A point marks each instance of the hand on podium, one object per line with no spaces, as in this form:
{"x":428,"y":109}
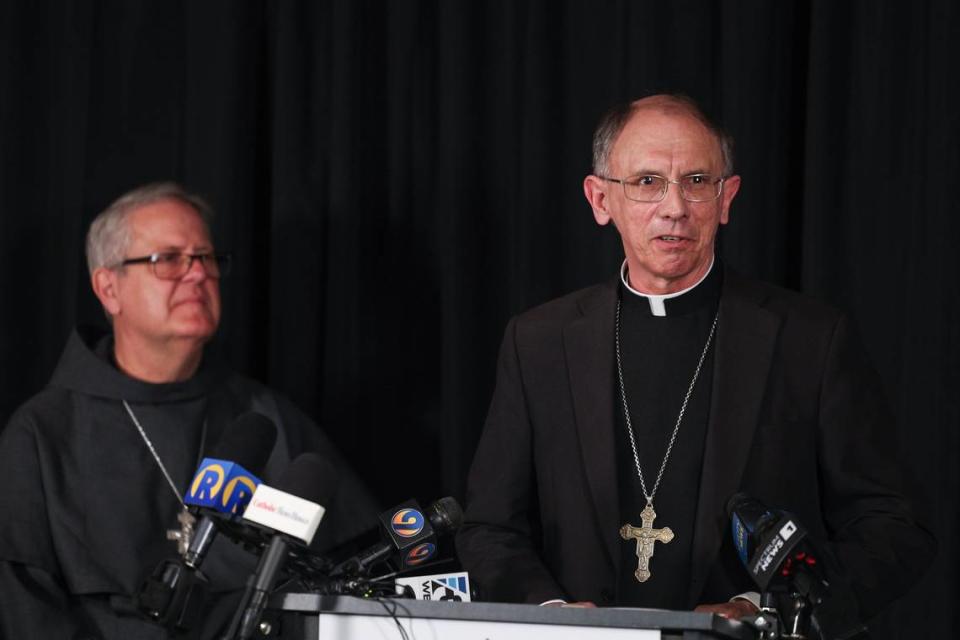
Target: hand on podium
{"x":734,"y":610}
{"x":561,"y":603}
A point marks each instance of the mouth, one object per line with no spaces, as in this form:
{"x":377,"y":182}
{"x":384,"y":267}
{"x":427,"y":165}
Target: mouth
{"x":671,"y":240}
{"x":190,"y":301}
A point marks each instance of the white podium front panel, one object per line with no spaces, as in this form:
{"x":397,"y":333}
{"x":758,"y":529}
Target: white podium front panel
{"x":333,"y":626}
{"x":349,"y":618}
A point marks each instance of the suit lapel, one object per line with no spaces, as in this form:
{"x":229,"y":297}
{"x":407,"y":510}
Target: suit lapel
{"x":588,"y":345}
{"x":746,"y":338}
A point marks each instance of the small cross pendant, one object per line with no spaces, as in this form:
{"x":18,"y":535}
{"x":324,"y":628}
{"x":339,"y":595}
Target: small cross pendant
{"x":184,"y":534}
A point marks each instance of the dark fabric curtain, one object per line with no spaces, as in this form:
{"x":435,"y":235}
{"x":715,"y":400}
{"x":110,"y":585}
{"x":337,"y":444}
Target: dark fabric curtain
{"x":398,"y":178}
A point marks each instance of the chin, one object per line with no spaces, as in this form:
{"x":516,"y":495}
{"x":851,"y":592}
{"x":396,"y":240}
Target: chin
{"x":676,"y":270}
{"x":202,"y":331}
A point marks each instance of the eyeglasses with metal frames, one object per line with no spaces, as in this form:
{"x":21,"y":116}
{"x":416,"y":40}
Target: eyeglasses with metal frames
{"x":697,"y":187}
{"x":173,"y":265}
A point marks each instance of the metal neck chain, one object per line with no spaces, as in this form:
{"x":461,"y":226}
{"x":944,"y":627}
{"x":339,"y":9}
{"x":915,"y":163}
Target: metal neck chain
{"x":683,"y":407}
{"x":156,"y":456}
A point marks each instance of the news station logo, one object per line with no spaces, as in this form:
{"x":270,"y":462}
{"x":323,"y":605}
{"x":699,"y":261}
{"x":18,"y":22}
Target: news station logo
{"x":788,"y":530}
{"x":740,"y":539}
{"x":452,"y":587}
{"x":279,"y":510}
{"x":285,"y":513}
{"x":419,"y":554}
{"x":222,"y":485}
{"x":407,"y":523}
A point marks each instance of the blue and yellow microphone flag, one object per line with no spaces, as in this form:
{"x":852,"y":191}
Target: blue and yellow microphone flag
{"x":221,"y":485}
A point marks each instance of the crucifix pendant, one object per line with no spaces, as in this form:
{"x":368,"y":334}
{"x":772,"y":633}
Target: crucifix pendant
{"x":184,"y":534}
{"x":646,"y":536}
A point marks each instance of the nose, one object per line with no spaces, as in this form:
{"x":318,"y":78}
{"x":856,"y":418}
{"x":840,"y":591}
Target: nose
{"x":196,"y":271}
{"x":673,"y":205}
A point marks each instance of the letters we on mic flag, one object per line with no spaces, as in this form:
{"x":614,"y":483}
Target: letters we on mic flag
{"x":454,"y":587}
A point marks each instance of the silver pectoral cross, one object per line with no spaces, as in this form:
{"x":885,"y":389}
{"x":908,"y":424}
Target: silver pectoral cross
{"x":184,"y":534}
{"x":645,"y":536}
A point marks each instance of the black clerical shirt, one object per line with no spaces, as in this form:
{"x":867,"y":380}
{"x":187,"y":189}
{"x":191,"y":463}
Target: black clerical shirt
{"x":659,"y":356}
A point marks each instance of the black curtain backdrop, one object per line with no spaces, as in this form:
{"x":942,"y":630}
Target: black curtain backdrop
{"x":399,"y":178}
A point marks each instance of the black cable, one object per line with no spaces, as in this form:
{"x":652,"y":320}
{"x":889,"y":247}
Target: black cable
{"x":391,"y":606}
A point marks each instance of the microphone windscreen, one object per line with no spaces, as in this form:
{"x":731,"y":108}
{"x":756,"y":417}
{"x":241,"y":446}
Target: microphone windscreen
{"x":311,"y":477}
{"x":445,"y":515}
{"x":736,"y":502}
{"x":247,"y":441}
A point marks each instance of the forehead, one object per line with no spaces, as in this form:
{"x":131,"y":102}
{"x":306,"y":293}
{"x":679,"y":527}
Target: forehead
{"x":167,"y":224}
{"x":665,"y":141}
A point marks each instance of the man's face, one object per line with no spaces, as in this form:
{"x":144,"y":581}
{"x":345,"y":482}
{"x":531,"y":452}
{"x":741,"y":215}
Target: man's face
{"x":668,"y":244}
{"x":147,"y":308}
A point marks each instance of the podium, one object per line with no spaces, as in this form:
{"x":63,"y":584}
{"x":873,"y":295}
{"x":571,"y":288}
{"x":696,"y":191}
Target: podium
{"x":303,"y":616}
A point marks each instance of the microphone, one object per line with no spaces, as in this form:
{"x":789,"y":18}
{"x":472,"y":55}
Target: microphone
{"x":174,"y":592}
{"x":292,"y":520}
{"x":763,"y":538}
{"x":409,"y":532}
{"x":223,"y":486}
{"x":781,"y":558}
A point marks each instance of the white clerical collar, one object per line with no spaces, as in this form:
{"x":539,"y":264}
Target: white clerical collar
{"x":657,"y":306}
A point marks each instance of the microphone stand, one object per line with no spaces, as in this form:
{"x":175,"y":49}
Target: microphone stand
{"x":259,"y":587}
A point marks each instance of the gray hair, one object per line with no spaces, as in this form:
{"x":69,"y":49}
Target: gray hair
{"x":109,"y":234}
{"x":613,"y":122}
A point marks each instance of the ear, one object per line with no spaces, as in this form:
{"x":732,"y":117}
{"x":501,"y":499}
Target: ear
{"x":594,"y":189}
{"x":730,"y":188}
{"x":104,"y":282}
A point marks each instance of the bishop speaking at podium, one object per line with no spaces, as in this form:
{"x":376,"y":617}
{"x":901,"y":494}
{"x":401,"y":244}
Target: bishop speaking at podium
{"x":625,"y":415}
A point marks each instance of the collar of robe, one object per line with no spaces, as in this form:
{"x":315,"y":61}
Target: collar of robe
{"x":703,"y":292}
{"x":86,"y":366}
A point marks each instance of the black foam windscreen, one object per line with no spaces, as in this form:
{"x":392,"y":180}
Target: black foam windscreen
{"x":311,"y":477}
{"x":445,"y":515}
{"x":248,"y":441}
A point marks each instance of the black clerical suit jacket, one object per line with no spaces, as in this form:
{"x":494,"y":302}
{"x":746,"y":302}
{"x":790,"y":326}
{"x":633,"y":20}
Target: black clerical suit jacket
{"x":796,"y":420}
